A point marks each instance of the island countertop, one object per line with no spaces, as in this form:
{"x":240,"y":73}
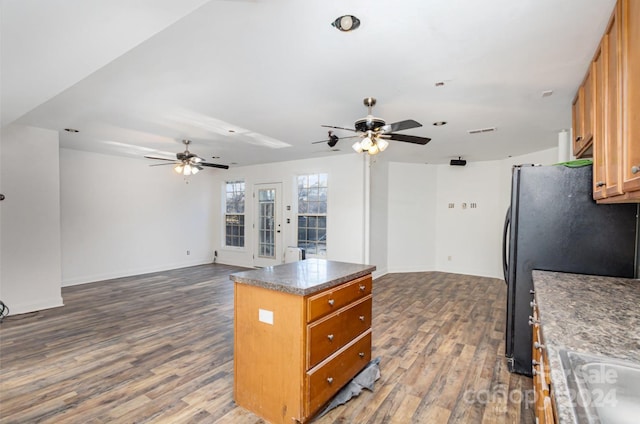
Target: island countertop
{"x":304,"y":277}
{"x":587,"y":314}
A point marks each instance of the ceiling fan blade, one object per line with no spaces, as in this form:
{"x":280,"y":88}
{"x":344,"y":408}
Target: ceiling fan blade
{"x":400,"y":125}
{"x":157,"y":158}
{"x":213,"y":165}
{"x":338,"y":128}
{"x":408,"y":138}
{"x":161,"y":164}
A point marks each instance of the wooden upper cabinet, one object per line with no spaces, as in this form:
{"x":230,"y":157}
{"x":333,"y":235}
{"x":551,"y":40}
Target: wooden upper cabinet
{"x":583,"y":117}
{"x":599,"y":156}
{"x":612,"y":131}
{"x":577,"y":111}
{"x":614,"y":102}
{"x":630,"y":47}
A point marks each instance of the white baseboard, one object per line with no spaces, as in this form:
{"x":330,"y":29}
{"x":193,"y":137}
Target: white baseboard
{"x":23,"y":308}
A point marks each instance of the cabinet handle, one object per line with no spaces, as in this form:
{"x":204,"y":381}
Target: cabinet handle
{"x":331,"y":302}
{"x":601,"y":184}
{"x":635,"y":169}
{"x":330,"y":380}
{"x":539,"y":346}
{"x":362,"y":287}
{"x":330,"y":337}
{"x":578,"y":139}
{"x":532,"y":291}
{"x":361,"y":318}
{"x":535,"y":363}
{"x":533,"y":321}
{"x":533,"y":371}
{"x":361,"y":354}
{"x":532,"y":303}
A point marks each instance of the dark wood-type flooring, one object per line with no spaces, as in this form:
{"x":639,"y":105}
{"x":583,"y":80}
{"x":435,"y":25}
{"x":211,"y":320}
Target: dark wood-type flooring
{"x":158,"y":348}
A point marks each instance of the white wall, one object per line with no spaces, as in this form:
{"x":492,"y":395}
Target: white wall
{"x":379,"y":205}
{"x":469,"y":238}
{"x":345,"y":197}
{"x":122,"y":217}
{"x":424,"y":232}
{"x":412,"y":240}
{"x":30,"y":219}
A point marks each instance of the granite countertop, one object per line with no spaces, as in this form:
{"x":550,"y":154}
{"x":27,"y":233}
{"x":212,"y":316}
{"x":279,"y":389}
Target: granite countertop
{"x":304,"y":277}
{"x":587,"y":314}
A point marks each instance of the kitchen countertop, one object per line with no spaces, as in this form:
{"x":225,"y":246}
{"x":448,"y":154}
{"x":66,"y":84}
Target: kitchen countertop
{"x":586,"y":314}
{"x":303,"y":277}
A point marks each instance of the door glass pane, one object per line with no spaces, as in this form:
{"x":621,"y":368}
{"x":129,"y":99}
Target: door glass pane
{"x":266,"y":220}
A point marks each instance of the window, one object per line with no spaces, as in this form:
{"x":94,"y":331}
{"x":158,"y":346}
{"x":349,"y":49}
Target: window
{"x":234,"y":214}
{"x":312,"y":213}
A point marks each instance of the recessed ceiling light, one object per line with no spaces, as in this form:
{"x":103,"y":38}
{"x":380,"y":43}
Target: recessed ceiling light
{"x":440,"y":123}
{"x":71,"y":130}
{"x":346,"y":23}
{"x":439,"y":84}
{"x":232,"y":131}
{"x":547,"y":93}
{"x":215,"y":157}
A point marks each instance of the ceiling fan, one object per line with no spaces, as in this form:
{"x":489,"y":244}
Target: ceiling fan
{"x":187,"y":163}
{"x":374,"y":132}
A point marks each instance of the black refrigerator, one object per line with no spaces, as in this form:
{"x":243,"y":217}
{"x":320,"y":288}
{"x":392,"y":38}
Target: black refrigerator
{"x":553,"y":224}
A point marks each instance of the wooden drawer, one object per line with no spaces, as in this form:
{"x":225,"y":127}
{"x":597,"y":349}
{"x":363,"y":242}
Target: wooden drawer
{"x":331,"y":375}
{"x":331,"y":300}
{"x":332,"y":332}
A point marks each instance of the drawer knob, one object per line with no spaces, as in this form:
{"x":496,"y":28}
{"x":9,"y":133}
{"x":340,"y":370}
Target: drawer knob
{"x":539,"y":346}
{"x":361,"y":354}
{"x":362,"y":287}
{"x":534,"y":371}
{"x":534,"y":362}
{"x":331,"y":302}
{"x":578,"y":139}
{"x":330,"y":380}
{"x":361,"y":318}
{"x":635,"y":169}
{"x":330,"y":337}
{"x":533,"y":321}
{"x":600,"y":184}
{"x":532,"y":303}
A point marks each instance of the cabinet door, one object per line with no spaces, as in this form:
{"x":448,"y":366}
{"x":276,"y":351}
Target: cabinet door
{"x":612,"y":132}
{"x":599,"y":153}
{"x":588,"y":112}
{"x":577,"y":111}
{"x":630,"y":46}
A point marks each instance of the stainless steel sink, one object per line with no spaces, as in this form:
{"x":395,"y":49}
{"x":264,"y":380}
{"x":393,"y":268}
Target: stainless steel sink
{"x":603,"y":390}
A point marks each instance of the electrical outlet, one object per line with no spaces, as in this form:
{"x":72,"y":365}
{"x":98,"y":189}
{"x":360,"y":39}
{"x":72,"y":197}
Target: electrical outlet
{"x":188,"y":252}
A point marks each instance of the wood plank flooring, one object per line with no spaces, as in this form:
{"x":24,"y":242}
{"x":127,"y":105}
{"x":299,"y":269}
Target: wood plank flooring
{"x":158,"y":348}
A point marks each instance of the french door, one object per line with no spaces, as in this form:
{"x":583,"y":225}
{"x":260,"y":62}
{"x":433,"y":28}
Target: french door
{"x":267,"y":228}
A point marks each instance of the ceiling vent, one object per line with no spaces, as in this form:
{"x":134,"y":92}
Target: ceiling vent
{"x":482,"y":130}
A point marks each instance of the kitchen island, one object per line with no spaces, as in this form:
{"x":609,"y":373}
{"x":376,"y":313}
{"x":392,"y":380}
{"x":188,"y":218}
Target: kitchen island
{"x":301,"y":331}
{"x":589,"y":327}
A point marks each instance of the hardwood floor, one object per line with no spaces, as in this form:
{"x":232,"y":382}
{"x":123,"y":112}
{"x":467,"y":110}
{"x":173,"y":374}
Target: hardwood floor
{"x":158,"y":348}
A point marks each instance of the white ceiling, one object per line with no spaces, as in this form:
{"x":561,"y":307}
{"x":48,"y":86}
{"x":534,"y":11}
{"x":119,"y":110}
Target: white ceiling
{"x":137,"y":76}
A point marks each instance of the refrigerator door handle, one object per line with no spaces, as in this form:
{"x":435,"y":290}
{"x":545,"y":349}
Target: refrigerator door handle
{"x":505,"y":253}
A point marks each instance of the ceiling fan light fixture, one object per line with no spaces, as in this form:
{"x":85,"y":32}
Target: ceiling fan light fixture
{"x":382,"y":144}
{"x":357,"y":146}
{"x":367,"y":143}
{"x":178,"y":168}
{"x":346,"y":23}
{"x":373,"y":150}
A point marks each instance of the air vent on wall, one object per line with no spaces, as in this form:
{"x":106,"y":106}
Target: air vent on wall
{"x":482,"y":130}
